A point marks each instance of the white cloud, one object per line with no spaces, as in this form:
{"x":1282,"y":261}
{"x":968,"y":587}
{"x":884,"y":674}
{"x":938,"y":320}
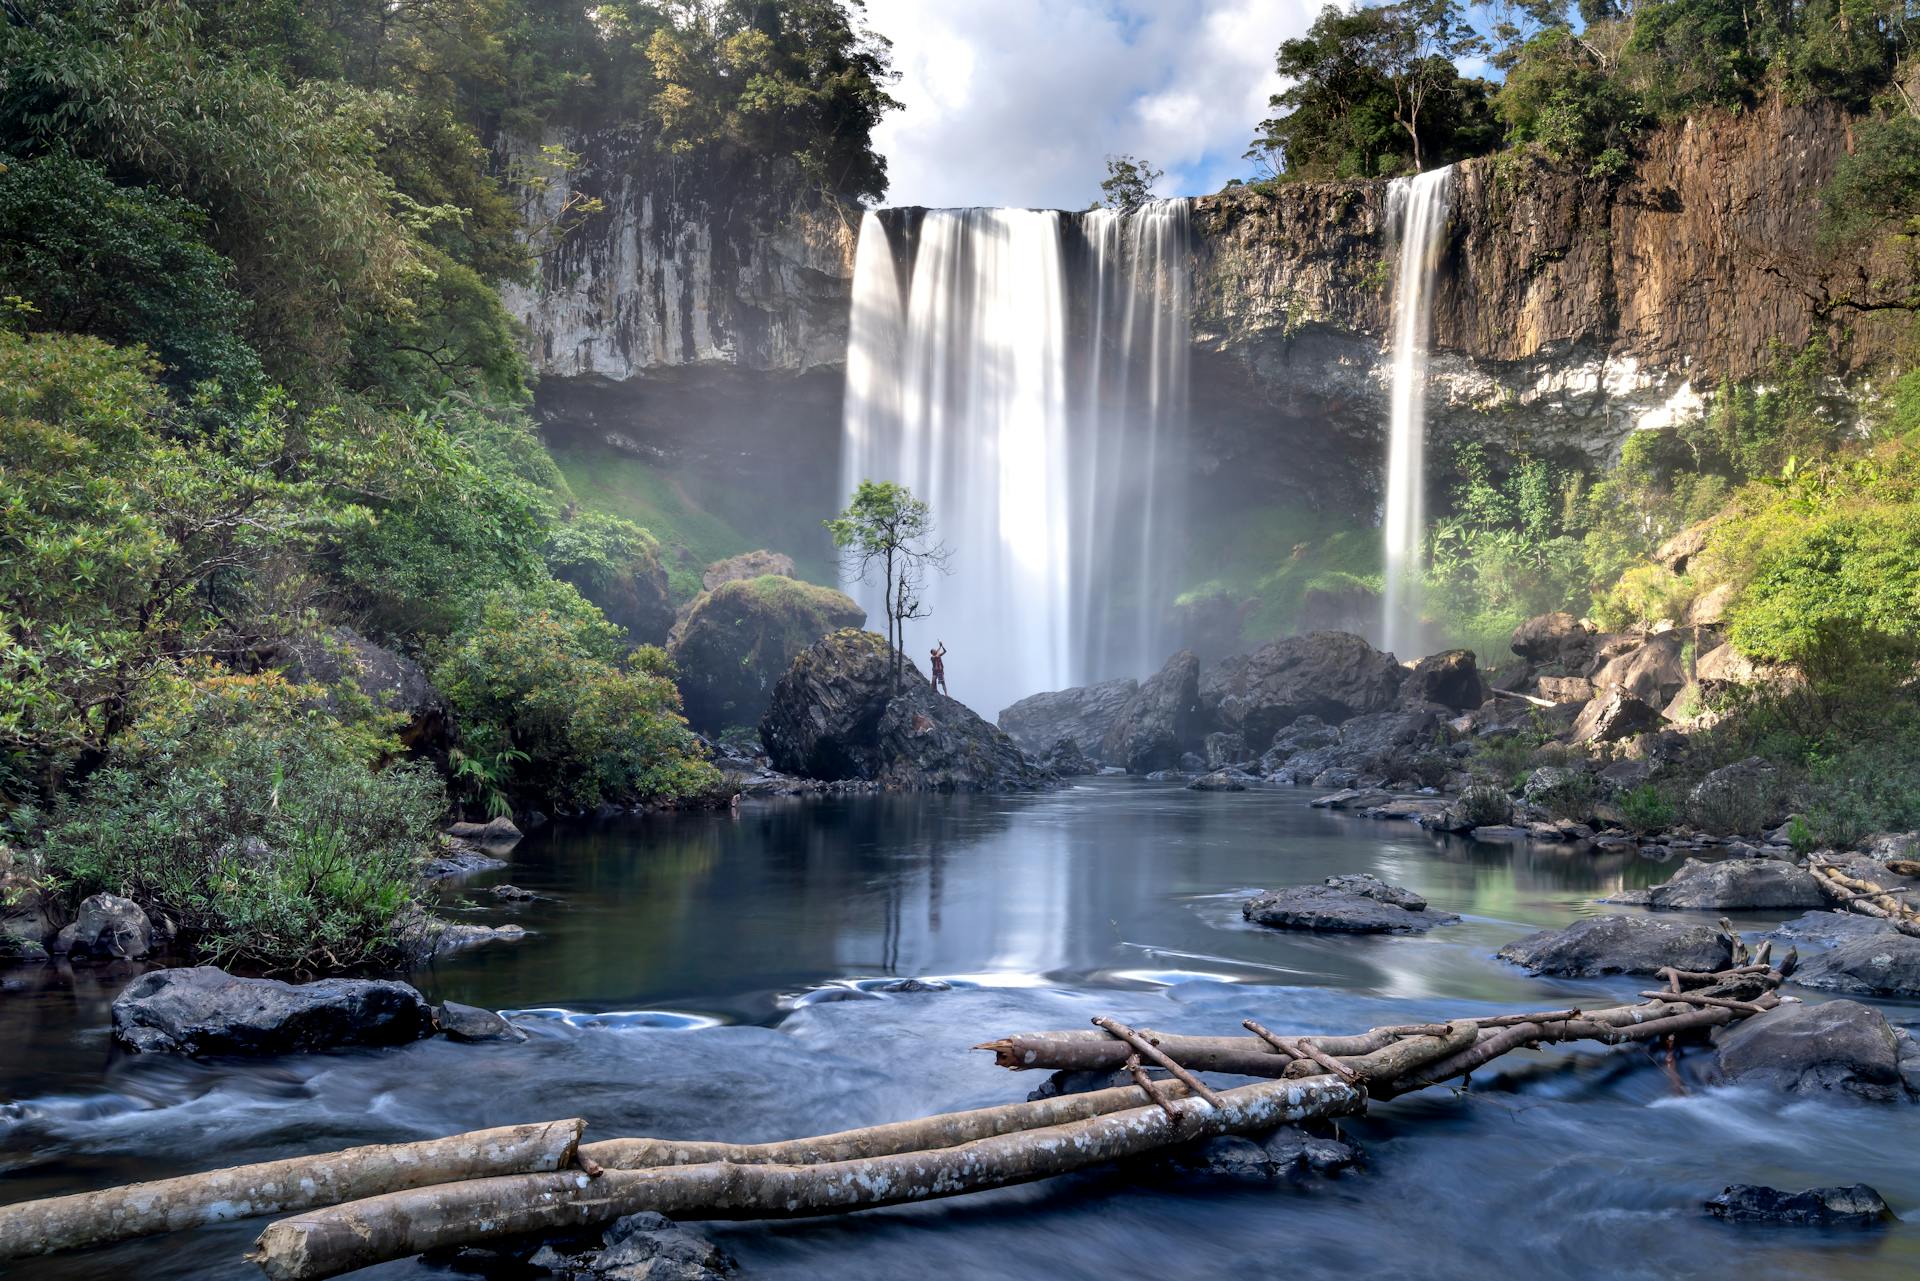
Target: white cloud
{"x":1019,"y":102}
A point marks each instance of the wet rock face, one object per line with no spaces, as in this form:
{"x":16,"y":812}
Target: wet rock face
{"x":1333,"y":675}
{"x":1083,"y":714}
{"x":1836,"y":1046}
{"x":1357,"y":904}
{"x":203,"y":1010}
{"x":834,"y":716}
{"x":740,"y":638}
{"x":640,"y":1247}
{"x":1620,"y":945}
{"x":1858,"y":1206}
{"x":1163,"y":717}
{"x":1738,"y":884}
{"x":1868,"y":964}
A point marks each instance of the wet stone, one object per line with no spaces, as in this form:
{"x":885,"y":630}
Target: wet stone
{"x":1857,"y":1206}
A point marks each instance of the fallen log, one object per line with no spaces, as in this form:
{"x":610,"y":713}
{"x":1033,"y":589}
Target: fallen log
{"x":277,"y":1187}
{"x":1857,"y":894}
{"x":360,"y":1234}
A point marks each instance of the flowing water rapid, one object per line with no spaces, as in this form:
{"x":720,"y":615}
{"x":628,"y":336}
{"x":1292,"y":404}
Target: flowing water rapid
{"x":715,"y":976}
{"x":1417,"y":211}
{"x":1024,"y":371}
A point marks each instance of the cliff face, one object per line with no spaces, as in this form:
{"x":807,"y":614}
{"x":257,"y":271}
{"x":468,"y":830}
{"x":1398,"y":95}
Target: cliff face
{"x":1569,"y":309}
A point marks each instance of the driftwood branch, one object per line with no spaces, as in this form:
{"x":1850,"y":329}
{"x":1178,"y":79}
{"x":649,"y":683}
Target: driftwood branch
{"x":1159,"y":1056}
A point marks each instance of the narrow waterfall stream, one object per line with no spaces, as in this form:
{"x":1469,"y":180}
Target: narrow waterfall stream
{"x":1027,"y":376}
{"x":1417,"y":211}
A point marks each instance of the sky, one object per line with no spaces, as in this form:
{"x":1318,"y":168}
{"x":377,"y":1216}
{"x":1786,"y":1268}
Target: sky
{"x":1020,"y":102}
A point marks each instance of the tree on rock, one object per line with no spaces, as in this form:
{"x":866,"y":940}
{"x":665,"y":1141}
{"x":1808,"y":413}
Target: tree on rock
{"x":886,"y":530}
{"x":1129,"y":183}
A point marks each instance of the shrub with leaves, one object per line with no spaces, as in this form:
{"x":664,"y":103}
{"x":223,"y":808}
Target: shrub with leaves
{"x":1646,"y":809}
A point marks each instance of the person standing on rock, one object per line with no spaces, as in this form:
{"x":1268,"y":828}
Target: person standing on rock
{"x":938,"y":656}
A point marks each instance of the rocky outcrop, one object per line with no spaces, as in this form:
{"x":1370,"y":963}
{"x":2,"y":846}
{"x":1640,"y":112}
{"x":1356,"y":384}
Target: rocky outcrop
{"x":1355,"y":904}
{"x":1332,"y":675}
{"x":338,"y":659}
{"x":835,"y":716}
{"x":204,"y":1011}
{"x":1450,"y":679}
{"x":1868,"y":964}
{"x":1084,"y":714}
{"x":1738,"y":884}
{"x":740,"y":637}
{"x":747,"y":565}
{"x":1621,"y":945}
{"x":1160,"y":722}
{"x":634,"y":594}
{"x":1837,"y":1046}
{"x":108,"y":928}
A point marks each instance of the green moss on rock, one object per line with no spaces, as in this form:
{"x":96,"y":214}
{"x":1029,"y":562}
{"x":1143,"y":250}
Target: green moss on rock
{"x":737,"y":640}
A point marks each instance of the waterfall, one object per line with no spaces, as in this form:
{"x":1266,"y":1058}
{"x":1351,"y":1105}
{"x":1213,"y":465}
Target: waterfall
{"x":1026,"y":379}
{"x":1417,"y":211}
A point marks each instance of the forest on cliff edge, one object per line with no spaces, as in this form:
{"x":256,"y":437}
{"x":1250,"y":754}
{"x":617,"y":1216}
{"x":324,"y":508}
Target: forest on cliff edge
{"x":259,"y":396}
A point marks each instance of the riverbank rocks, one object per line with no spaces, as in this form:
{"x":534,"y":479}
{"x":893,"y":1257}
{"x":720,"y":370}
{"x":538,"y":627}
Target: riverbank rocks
{"x":1620,"y":945}
{"x":1554,"y":638}
{"x":108,"y":928}
{"x":455,"y":858}
{"x":1857,"y":1206}
{"x":1868,"y":964}
{"x":1613,"y":716}
{"x":204,"y":1011}
{"x":835,"y":716}
{"x":1154,"y":728}
{"x":1737,"y":884}
{"x":1802,"y":1048}
{"x":1745,"y":795}
{"x":1084,"y":714}
{"x":1332,"y":675}
{"x":471,"y":1025}
{"x":1218,"y":781}
{"x":739,"y":638}
{"x":1357,"y":904}
{"x":633,"y":592}
{"x":1450,"y":678}
{"x":1066,"y":760}
{"x":499,"y":830}
{"x":1650,"y":670}
{"x":1828,"y":928}
{"x":641,"y":1247}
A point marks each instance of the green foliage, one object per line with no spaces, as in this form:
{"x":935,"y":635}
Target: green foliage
{"x":1129,"y":183}
{"x":239,"y":811}
{"x":1646,"y":809}
{"x":1559,"y":96}
{"x":1486,"y":805}
{"x":1875,"y":184}
{"x":1571,"y":795}
{"x":127,"y":264}
{"x":885,"y":530}
{"x":538,"y":683}
{"x":590,"y":549}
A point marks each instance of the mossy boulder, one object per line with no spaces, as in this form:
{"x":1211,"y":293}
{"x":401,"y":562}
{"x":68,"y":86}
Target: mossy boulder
{"x":753,"y":564}
{"x":619,"y":567}
{"x":739,"y":639}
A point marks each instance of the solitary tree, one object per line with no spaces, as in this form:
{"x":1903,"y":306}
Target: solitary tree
{"x":886,"y":530}
{"x":1129,"y":183}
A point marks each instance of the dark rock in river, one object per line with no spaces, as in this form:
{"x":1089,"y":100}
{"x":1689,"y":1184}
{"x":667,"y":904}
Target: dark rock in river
{"x":1344,"y":905}
{"x":338,"y":659}
{"x":204,"y":1010}
{"x":1858,"y":1206}
{"x":1218,"y":781}
{"x":739,"y":638}
{"x":1737,"y":884}
{"x":1332,"y":675}
{"x":1620,"y":945}
{"x":108,"y":928}
{"x":473,"y":1025}
{"x":1814,"y":1049}
{"x":1154,"y":729}
{"x":641,"y":1247}
{"x":1083,"y":714}
{"x":1228,"y":1156}
{"x":1450,"y":678}
{"x":456,"y":857}
{"x":1066,"y":760}
{"x":1828,"y":928}
{"x":1294,"y":1151}
{"x":1867,"y":965}
{"x":834,"y":716}
{"x":495,"y":831}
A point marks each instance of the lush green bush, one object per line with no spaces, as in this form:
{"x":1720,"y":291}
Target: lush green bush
{"x":1486,"y":805}
{"x":1646,"y":809}
{"x":540,"y":672}
{"x":239,"y":813}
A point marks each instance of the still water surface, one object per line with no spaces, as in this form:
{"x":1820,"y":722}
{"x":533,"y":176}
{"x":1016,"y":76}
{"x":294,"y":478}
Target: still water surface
{"x":720,"y":976}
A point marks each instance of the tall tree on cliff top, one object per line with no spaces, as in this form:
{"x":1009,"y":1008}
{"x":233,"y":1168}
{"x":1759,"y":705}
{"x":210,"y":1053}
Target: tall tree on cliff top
{"x":1129,"y":183}
{"x":886,"y":530}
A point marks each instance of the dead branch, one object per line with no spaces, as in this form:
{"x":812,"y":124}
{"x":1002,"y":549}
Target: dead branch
{"x":1159,"y":1056}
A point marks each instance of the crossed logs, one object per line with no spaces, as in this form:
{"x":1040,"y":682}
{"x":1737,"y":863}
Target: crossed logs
{"x":363,"y":1206}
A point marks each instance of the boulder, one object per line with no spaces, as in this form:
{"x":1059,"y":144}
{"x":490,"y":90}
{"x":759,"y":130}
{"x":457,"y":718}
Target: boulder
{"x":1332,"y":675}
{"x":1223,"y":749}
{"x":1343,"y":909}
{"x":1218,"y":781}
{"x":1554,"y":638}
{"x":641,"y":1247}
{"x":108,"y":928}
{"x":1858,"y":1206}
{"x":1737,"y":884}
{"x":835,"y":716}
{"x":1084,"y":714}
{"x":1620,"y":945}
{"x":498,"y":830}
{"x":1801,"y":1048}
{"x":1160,"y":721}
{"x":203,"y":1010}
{"x":27,"y":920}
{"x":739,"y":638}
{"x":457,"y":857}
{"x":1828,"y":928}
{"x":474,"y":1026}
{"x":755,"y":564}
{"x":1228,"y":1156}
{"x":1613,"y":716}
{"x":1651,"y":671}
{"x":1370,"y":886}
{"x":1450,"y":679}
{"x":1867,"y":964}
{"x":1065,"y":760}
{"x":1724,"y":666}
{"x":1564,"y":689}
{"x":1745,"y":794}
{"x":1294,"y":1151}
{"x":338,"y":659}
{"x":632,"y":591}
{"x":1305,"y":734}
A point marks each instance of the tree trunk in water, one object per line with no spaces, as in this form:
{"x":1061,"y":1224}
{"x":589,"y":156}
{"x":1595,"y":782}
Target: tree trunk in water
{"x":326,"y":1243}
{"x":275,"y":1187}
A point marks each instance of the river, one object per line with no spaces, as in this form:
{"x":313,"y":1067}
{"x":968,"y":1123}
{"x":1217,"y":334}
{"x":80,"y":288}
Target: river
{"x":721,"y":976}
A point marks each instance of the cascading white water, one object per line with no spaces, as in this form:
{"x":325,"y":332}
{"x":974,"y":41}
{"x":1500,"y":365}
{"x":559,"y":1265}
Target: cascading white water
{"x":1417,"y":210}
{"x":1026,"y":387}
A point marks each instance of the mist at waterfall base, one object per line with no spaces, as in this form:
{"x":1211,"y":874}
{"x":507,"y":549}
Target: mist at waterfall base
{"x":1025,"y":372}
{"x":1417,"y":212}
